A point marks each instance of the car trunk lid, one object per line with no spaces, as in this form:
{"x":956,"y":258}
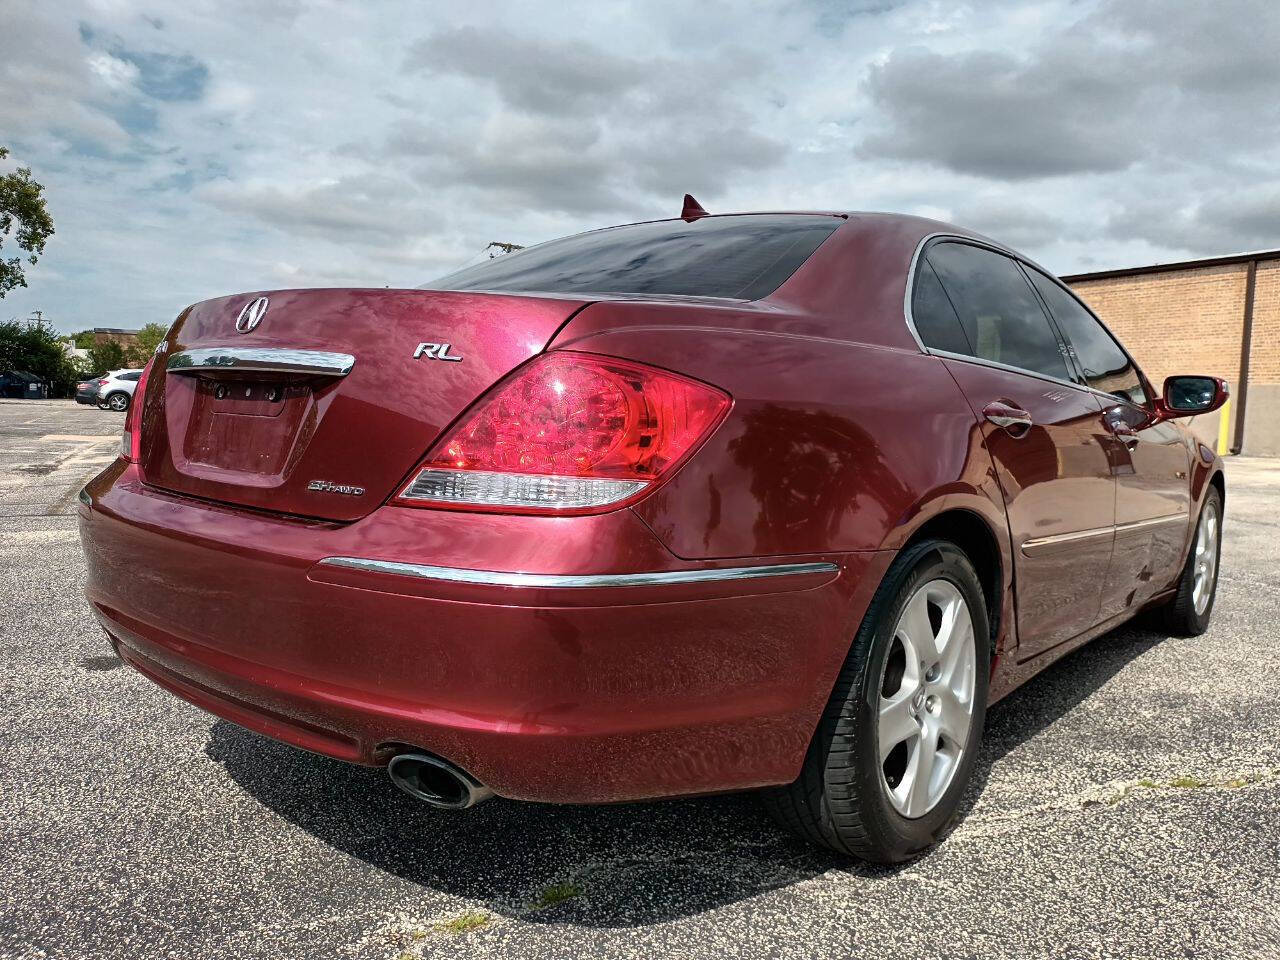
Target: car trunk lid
{"x":323,"y":405}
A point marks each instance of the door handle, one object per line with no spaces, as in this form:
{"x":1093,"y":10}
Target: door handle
{"x":1012,"y":419}
{"x":1122,"y":431}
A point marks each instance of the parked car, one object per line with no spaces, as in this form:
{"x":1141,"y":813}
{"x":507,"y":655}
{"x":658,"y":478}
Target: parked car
{"x":115,"y":390}
{"x":87,"y":389}
{"x":776,"y":501}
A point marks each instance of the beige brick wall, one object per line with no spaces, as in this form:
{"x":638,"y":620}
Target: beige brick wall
{"x":1179,"y":321}
{"x":1264,"y":353}
{"x":1184,"y":321}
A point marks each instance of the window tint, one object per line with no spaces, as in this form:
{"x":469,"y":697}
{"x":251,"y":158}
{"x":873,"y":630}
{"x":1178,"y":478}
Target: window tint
{"x":1104,"y":365}
{"x":744,"y":257}
{"x":130,"y":376}
{"x":935,"y":319}
{"x":1002,"y":319}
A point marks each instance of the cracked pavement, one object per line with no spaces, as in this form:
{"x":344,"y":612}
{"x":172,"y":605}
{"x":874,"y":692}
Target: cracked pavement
{"x":1127,"y":803}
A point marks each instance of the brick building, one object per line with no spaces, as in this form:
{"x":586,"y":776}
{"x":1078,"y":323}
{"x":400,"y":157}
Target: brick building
{"x":1219,"y":316}
{"x":126,"y":338}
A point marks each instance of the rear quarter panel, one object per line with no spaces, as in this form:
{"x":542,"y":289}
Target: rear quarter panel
{"x":831,"y":446}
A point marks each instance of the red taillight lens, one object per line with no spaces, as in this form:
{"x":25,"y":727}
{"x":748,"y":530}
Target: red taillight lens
{"x":568,"y":432}
{"x":131,"y":437}
{"x":103,"y":383}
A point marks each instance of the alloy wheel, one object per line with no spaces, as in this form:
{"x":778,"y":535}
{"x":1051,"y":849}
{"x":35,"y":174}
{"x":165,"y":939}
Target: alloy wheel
{"x":117,"y":402}
{"x":1206,"y":558}
{"x":926,"y":698}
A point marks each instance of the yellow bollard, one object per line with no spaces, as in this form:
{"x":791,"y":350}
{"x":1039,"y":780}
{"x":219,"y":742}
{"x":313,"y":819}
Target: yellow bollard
{"x":1224,"y":427}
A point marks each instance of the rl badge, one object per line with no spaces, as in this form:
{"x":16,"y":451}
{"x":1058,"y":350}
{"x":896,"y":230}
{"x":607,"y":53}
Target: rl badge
{"x":435,"y":351}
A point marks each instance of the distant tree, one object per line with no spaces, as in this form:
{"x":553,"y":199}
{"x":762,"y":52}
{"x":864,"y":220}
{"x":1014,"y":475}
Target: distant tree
{"x":21,"y":205}
{"x":83,"y":340}
{"x":107,"y":356}
{"x":149,"y":338}
{"x":35,"y":347}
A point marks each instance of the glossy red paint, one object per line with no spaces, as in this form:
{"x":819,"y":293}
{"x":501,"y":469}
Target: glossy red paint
{"x":844,"y":441}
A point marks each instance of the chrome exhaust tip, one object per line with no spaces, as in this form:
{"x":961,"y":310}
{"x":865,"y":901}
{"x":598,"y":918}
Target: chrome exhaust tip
{"x":436,"y":782}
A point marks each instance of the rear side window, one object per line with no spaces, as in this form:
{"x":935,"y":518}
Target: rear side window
{"x":741,"y":257}
{"x":934,"y":316}
{"x":1104,"y":365}
{"x":130,"y":376}
{"x":999,"y":313}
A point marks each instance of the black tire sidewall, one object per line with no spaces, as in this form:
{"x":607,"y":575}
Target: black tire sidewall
{"x":1197,"y":623}
{"x":899,"y":836}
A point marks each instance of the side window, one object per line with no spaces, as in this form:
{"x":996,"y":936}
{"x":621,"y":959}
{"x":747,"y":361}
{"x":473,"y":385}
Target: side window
{"x":1001,"y":317}
{"x":1104,"y":365}
{"x":130,"y":376}
{"x":935,"y":319}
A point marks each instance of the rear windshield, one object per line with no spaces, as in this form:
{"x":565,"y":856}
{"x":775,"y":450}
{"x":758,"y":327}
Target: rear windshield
{"x":742,"y":257}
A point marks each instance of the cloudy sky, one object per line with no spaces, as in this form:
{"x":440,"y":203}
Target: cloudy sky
{"x":193,"y":148}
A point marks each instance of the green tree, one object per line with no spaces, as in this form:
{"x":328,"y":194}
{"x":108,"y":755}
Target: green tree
{"x":83,"y":340}
{"x":149,"y":338}
{"x":21,"y":205}
{"x":107,"y":356}
{"x":35,"y":347}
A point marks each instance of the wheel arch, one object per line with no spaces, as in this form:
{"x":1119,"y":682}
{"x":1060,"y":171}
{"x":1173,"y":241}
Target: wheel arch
{"x":973,"y":534}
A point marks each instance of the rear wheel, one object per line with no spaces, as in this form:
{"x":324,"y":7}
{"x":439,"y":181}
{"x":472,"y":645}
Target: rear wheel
{"x":119,"y":402}
{"x":1188,"y":613}
{"x":887,"y":767}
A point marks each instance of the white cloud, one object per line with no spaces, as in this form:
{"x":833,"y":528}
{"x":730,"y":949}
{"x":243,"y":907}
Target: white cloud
{"x":115,"y":73}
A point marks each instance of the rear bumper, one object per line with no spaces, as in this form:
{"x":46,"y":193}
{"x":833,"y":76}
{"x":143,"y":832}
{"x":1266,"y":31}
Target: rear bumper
{"x":543,"y":688}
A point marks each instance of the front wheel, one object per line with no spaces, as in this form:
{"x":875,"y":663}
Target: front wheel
{"x":887,"y":767}
{"x":1188,"y":613}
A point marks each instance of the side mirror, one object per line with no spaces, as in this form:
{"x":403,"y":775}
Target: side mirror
{"x":1189,"y":396}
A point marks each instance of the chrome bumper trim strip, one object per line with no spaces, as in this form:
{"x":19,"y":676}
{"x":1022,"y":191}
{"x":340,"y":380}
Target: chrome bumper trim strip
{"x":501,"y":579}
{"x":261,"y":360}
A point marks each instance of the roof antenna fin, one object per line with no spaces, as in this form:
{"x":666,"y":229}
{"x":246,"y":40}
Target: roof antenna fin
{"x":692,"y":209}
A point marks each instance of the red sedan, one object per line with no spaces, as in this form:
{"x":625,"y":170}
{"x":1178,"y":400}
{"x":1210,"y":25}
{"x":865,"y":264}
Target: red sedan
{"x":769,"y":501}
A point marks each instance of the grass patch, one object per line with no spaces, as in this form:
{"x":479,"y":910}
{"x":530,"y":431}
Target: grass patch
{"x":465,"y":922}
{"x":1184,"y":783}
{"x":557,"y":893}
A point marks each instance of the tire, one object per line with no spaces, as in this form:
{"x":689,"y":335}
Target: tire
{"x":119,"y":402}
{"x":845,"y":797}
{"x":1188,"y":613}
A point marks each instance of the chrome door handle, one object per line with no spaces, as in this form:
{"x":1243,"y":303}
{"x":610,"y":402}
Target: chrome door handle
{"x":1013,"y":420}
{"x":1122,"y":431}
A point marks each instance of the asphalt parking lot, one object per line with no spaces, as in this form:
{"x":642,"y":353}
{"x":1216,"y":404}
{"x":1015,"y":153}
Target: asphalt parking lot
{"x":1127,"y":804}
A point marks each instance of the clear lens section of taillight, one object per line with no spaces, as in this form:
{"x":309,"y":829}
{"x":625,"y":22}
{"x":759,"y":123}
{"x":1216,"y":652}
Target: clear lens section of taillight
{"x":568,"y":432}
{"x":131,"y":436}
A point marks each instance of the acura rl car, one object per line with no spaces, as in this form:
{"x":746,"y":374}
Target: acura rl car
{"x":760,"y":501}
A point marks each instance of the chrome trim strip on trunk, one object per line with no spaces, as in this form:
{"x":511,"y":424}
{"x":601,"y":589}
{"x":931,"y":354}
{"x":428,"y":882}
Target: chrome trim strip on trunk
{"x":261,"y":360}
{"x":554,"y":581}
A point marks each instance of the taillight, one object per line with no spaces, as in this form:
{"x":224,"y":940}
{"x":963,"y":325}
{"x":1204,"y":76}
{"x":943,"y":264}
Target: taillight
{"x":568,"y":432}
{"x":131,"y":437}
{"x":103,"y":383}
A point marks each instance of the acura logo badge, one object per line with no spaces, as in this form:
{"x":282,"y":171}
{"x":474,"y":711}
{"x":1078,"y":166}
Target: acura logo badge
{"x":252,"y":314}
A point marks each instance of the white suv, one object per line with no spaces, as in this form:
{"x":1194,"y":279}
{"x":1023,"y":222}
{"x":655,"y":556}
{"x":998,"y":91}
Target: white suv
{"x":115,"y":390}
